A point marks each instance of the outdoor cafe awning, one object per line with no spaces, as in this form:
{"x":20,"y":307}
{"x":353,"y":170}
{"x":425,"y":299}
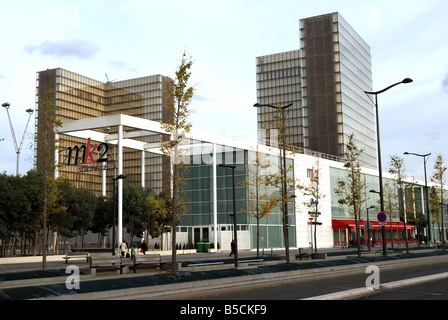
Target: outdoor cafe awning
{"x":346,"y":224}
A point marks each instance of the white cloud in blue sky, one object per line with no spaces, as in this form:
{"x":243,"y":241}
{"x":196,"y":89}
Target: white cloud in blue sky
{"x":134,"y":38}
{"x":78,"y":48}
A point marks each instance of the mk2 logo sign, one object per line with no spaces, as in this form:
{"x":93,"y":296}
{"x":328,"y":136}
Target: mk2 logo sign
{"x":88,"y":153}
{"x":312,"y":173}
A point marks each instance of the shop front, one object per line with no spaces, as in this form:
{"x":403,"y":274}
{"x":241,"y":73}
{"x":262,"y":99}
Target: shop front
{"x":344,"y":233}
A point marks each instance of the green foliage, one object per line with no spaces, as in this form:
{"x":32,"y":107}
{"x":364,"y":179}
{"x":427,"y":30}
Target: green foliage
{"x":159,"y":210}
{"x":177,"y":126}
{"x":313,"y":190}
{"x":439,"y":178}
{"x":259,"y":204}
{"x":350,"y":190}
{"x":73,"y":211}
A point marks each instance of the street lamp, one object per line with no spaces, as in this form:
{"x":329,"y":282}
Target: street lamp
{"x":18,"y":148}
{"x":368,"y":225}
{"x":235,"y":238}
{"x":283,"y":173}
{"x":376,"y":93}
{"x":121,"y":176}
{"x":426,"y":188}
{"x":383,"y":230}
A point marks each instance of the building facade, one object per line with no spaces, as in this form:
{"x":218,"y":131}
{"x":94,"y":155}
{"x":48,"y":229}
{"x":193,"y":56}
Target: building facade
{"x":78,"y":97}
{"x":209,"y":196}
{"x":325,"y":81}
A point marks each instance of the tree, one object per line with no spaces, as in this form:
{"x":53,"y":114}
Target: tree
{"x":13,"y":204}
{"x":313,"y":190}
{"x":434,"y":205}
{"x":177,"y":126}
{"x":47,"y":144}
{"x":135,"y":214}
{"x":284,"y":179}
{"x":32,"y":221}
{"x":396,"y":168}
{"x":159,"y":210}
{"x":390,"y":204}
{"x":413,"y":215}
{"x":59,"y":220}
{"x":351,"y":189}
{"x":439,"y":177}
{"x":103,"y":217}
{"x":259,"y":204}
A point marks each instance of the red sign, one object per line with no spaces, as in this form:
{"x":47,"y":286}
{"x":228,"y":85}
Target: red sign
{"x":382,"y":217}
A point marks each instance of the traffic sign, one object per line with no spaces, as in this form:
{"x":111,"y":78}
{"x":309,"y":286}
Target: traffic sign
{"x":382,"y":217}
{"x":368,"y":225}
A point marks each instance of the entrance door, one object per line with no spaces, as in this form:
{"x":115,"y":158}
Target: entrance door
{"x":205,"y":234}
{"x":197,"y":235}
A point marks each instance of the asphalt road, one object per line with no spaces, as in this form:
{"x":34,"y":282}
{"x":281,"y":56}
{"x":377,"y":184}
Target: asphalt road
{"x":309,"y":288}
{"x":436,"y":290}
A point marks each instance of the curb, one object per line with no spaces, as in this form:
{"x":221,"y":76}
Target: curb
{"x":241,"y":281}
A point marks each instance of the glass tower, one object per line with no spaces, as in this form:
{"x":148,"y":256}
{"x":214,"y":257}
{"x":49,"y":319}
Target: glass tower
{"x":325,"y":80}
{"x":78,"y":97}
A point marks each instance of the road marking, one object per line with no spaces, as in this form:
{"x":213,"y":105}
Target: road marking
{"x":353,"y":293}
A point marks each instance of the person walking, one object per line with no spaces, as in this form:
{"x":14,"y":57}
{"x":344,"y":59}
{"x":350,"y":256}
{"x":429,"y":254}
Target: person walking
{"x":123,"y":248}
{"x":144,"y":247}
{"x":232,"y":247}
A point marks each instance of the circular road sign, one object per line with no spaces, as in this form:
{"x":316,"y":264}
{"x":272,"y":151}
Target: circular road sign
{"x":382,"y":217}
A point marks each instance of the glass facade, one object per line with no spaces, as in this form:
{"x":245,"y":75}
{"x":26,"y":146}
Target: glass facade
{"x":325,"y":80}
{"x":413,"y":206}
{"x":336,"y":70}
{"x":199,"y":219}
{"x":79,"y":97}
{"x":278,"y":83}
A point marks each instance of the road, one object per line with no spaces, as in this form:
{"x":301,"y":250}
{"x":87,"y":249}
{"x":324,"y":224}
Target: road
{"x":436,"y":290}
{"x":309,"y":288}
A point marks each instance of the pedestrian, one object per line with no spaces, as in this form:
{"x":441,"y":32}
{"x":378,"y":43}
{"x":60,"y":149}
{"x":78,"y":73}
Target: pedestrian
{"x":144,"y":247}
{"x":123,"y":248}
{"x":132,"y":251}
{"x":232,"y":247}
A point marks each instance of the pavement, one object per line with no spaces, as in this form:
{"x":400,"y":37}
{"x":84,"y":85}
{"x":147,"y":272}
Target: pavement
{"x":26,"y":281}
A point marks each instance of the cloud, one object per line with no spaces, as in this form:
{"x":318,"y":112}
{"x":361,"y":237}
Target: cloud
{"x":122,"y":65}
{"x":78,"y":48}
{"x":445,"y":84}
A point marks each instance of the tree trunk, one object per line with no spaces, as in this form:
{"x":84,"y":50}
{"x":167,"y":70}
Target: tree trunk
{"x":173,"y":224}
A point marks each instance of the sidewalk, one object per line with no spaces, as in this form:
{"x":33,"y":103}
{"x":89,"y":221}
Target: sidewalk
{"x":36,"y":284}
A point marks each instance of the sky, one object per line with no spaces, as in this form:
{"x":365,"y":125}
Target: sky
{"x":118,"y":40}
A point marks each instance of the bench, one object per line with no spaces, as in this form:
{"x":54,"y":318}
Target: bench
{"x":148,"y":260}
{"x":74,"y":255}
{"x":253,"y":261}
{"x":205,"y":264}
{"x":108,"y":262}
{"x":305,"y":253}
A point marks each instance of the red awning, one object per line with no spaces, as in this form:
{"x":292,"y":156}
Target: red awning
{"x":345,"y":224}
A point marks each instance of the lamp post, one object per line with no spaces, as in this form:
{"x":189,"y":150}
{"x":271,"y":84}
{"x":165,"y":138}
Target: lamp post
{"x":368,"y":225}
{"x":426,"y":189}
{"x":283,"y":174}
{"x":18,"y":148}
{"x":235,"y":237}
{"x":376,"y":93}
{"x":383,"y":230}
{"x":443,"y":224}
{"x":114,"y":245}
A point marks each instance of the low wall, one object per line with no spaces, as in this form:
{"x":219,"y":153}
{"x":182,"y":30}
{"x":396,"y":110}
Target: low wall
{"x":58,"y":258}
